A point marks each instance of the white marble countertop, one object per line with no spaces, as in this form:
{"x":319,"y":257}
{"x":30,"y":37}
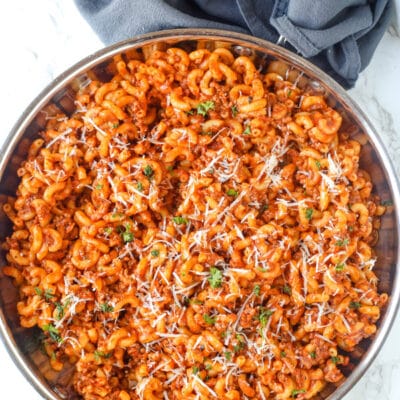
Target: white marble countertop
{"x":41,"y":38}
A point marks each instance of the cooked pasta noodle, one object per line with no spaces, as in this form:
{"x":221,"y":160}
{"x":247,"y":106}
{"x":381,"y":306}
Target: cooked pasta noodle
{"x":196,"y":229}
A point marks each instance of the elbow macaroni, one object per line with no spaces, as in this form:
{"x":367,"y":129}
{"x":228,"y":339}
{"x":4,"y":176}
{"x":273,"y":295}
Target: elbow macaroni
{"x":197,"y":229}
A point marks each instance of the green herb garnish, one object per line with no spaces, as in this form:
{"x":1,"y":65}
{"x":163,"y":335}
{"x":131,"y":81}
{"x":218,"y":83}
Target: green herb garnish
{"x":228,"y":355}
{"x":313,"y":355}
{"x":127,"y":237}
{"x":205,"y":107}
{"x":287,"y":289}
{"x":318,"y":164}
{"x":309,"y":213}
{"x":240,"y":345}
{"x":180,"y":220}
{"x":47,"y":294}
{"x":232,"y":192}
{"x":105,"y":307}
{"x":60,"y":308}
{"x":283,"y":354}
{"x":234,"y":110}
{"x":148,"y":171}
{"x":100,"y":354}
{"x":247,"y":130}
{"x":117,"y":215}
{"x":257,"y":290}
{"x":354,"y":304}
{"x":139,"y":186}
{"x":155,"y":253}
{"x":108,"y":230}
{"x":387,"y":203}
{"x":335,"y":359}
{"x":296,"y":392}
{"x":339,"y":267}
{"x":99,"y":186}
{"x":264,"y":315}
{"x":53,"y":332}
{"x":195,"y":370}
{"x":342,"y":242}
{"x":215,"y":278}
{"x":209,"y":320}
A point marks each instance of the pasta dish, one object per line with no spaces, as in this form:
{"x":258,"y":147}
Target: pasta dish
{"x":199,"y":228}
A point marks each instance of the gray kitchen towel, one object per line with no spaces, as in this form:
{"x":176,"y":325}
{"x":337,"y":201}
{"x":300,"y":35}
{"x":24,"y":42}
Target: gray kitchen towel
{"x":340,"y":36}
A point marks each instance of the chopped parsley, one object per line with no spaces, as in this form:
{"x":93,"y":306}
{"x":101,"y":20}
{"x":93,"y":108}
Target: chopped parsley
{"x":208,"y":366}
{"x":283,"y":354}
{"x":47,"y":294}
{"x":100,"y":354}
{"x":318,"y":164}
{"x":339,"y":267}
{"x":335,"y":359}
{"x":354,"y":304}
{"x":139,"y":186}
{"x":205,"y":107}
{"x":264,"y":315}
{"x":117,"y":215}
{"x":313,"y":355}
{"x":53,"y":332}
{"x":115,"y":125}
{"x":60,"y":308}
{"x":228,"y":355}
{"x":209,"y":320}
{"x":240,"y":345}
{"x":155,"y":253}
{"x":148,"y":171}
{"x":257,"y":290}
{"x":234,"y":110}
{"x":195,"y":370}
{"x":309,"y":213}
{"x":126,"y":234}
{"x":287,"y":289}
{"x":296,"y":392}
{"x":105,"y":307}
{"x":99,"y":186}
{"x":215,"y":278}
{"x":127,"y":237}
{"x":232,"y":192}
{"x":108,"y":230}
{"x":247,"y":130}
{"x":180,"y":220}
{"x":342,"y":242}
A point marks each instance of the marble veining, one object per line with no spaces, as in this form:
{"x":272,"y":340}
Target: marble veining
{"x":42,"y":38}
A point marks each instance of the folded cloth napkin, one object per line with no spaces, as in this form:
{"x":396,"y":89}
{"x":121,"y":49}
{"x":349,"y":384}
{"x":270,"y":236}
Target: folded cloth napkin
{"x":340,"y":36}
